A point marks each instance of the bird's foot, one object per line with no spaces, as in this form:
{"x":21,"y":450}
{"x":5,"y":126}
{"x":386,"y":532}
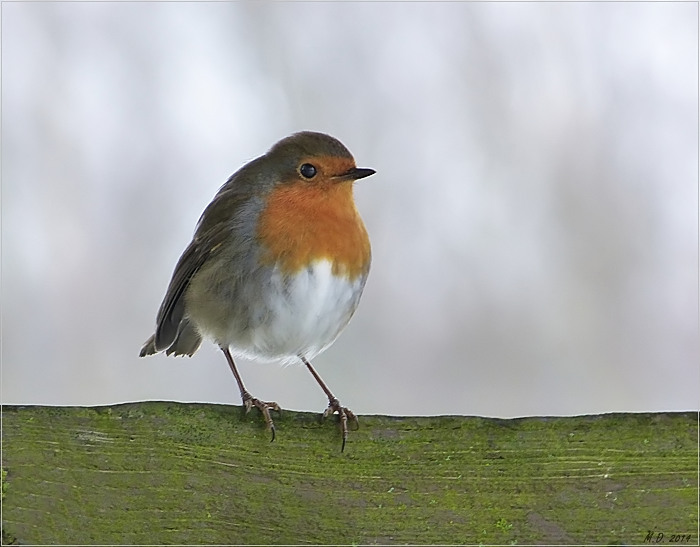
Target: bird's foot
{"x":345,"y":414}
{"x":264,"y":407}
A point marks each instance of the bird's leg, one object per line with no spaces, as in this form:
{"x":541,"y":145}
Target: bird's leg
{"x":248,"y":400}
{"x":334,"y":406}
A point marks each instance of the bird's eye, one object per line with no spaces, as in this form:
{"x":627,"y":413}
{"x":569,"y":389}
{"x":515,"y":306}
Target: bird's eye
{"x":307,"y":171}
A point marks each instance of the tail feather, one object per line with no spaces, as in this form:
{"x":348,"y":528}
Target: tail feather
{"x":186,"y":342}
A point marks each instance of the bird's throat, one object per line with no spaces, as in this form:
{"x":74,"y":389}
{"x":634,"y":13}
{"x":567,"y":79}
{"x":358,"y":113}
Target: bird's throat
{"x":302,"y":223}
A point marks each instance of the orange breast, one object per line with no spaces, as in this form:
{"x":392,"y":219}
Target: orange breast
{"x":305,"y":222}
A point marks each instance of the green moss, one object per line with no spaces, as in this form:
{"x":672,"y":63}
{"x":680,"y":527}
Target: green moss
{"x":189,"y":473}
{"x":3,"y":483}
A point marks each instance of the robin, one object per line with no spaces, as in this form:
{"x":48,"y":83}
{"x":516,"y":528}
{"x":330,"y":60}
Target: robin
{"x":276,"y":267}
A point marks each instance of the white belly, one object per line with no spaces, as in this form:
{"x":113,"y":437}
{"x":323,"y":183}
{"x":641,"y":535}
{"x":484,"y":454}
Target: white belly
{"x":303,"y":315}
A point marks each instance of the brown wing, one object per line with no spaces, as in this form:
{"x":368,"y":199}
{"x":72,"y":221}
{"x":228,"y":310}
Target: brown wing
{"x":213,"y":229}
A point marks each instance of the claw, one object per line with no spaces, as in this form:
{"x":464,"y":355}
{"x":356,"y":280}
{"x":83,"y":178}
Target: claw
{"x":264,"y":407}
{"x":333,"y":404}
{"x":345,"y":414}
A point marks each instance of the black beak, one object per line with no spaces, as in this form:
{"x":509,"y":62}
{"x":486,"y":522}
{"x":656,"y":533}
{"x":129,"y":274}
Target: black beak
{"x":355,"y":173}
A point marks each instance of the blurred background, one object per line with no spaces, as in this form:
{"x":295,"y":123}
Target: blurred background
{"x":534,"y":216}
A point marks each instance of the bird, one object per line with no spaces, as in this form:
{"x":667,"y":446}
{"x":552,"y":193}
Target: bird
{"x":276,"y":267}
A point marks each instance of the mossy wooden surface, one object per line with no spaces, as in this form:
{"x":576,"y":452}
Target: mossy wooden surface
{"x":165,"y":473}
